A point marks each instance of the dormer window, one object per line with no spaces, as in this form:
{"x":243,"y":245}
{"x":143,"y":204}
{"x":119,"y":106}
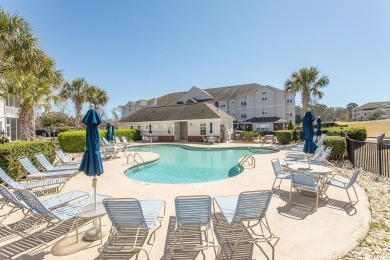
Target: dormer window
{"x":264,"y":96}
{"x":243,"y":101}
{"x":289,"y":100}
{"x":129,"y":108}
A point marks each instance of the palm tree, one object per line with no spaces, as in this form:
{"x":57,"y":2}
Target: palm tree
{"x":27,"y":72}
{"x":306,"y":81}
{"x":77,"y":91}
{"x":97,"y":96}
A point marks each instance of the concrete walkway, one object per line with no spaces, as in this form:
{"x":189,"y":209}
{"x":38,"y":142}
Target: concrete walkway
{"x":330,"y":232}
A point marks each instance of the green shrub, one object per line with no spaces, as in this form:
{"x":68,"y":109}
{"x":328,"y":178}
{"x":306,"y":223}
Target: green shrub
{"x":338,"y":144}
{"x":10,"y":152}
{"x":358,"y":133}
{"x":74,"y":142}
{"x":290,"y":125}
{"x":284,"y":136}
{"x":249,"y":136}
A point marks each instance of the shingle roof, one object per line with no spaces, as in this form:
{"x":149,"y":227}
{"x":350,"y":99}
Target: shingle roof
{"x":177,"y":112}
{"x":263,"y":119}
{"x":219,"y":94}
{"x":375,"y":105}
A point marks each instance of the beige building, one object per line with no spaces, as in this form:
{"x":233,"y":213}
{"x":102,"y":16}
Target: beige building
{"x":366,"y":111}
{"x":9,"y":118}
{"x":253,"y":106}
{"x":177,"y":122}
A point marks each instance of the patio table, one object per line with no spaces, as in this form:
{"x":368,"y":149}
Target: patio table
{"x":267,"y":138}
{"x":321,"y":171}
{"x":88,"y":212}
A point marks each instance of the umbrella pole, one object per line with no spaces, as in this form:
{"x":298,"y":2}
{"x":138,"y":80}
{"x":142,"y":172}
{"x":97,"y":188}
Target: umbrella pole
{"x":94,"y":183}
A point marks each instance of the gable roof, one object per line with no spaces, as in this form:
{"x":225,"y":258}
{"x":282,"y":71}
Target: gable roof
{"x":177,"y":112}
{"x":218,"y":94}
{"x":375,"y":105}
{"x":271,"y":119}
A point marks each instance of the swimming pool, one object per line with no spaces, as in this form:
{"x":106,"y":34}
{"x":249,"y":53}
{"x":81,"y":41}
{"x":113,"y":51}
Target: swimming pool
{"x":183,"y":164}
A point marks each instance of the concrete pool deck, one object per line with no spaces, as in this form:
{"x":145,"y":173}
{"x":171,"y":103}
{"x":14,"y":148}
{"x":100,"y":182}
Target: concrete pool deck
{"x":328,"y":233}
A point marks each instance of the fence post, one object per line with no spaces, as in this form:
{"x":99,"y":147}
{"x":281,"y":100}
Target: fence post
{"x":379,"y":140}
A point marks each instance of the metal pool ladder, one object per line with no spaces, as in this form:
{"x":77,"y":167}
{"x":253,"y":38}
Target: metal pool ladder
{"x":134,"y":157}
{"x":246,"y":158}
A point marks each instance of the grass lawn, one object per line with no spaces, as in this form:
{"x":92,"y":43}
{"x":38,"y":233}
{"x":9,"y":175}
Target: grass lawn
{"x":374,"y":128}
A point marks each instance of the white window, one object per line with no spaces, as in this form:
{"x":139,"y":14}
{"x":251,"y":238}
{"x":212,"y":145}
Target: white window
{"x":264,"y":111}
{"x":264,"y":96}
{"x":289,"y":112}
{"x":129,"y":108}
{"x":222,"y":104}
{"x":233,"y":113}
{"x":289,"y":99}
{"x":202,"y":129}
{"x":243,"y":115}
{"x":243,"y":101}
{"x":261,"y":128}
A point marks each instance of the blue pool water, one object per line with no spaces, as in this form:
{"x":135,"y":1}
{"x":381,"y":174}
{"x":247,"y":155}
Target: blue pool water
{"x":182,"y":164}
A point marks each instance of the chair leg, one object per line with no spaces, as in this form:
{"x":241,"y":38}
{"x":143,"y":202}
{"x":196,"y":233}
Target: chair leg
{"x":289,"y":200}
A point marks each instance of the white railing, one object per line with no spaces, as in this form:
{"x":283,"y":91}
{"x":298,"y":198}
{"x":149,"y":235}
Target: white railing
{"x":12,"y":111}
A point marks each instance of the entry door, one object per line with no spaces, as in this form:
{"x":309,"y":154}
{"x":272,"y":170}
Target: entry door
{"x":183,"y":131}
{"x":177,"y":131}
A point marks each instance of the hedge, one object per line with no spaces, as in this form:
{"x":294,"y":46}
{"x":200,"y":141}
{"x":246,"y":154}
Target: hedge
{"x":74,"y":142}
{"x":249,"y":136}
{"x":358,"y":133}
{"x":338,"y":144}
{"x":284,"y":136}
{"x":10,"y":153}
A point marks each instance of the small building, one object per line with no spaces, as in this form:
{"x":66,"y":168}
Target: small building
{"x":367,"y":111}
{"x":190,"y":121}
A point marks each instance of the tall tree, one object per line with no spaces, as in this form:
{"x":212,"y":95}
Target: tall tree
{"x":27,"y":72}
{"x":77,"y":91}
{"x":350,"y":107}
{"x":97,"y":96}
{"x":307,"y":82}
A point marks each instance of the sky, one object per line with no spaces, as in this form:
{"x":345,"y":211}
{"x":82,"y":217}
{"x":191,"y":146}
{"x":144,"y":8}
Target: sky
{"x":145,"y":49}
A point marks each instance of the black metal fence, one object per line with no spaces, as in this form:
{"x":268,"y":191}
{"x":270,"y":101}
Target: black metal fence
{"x":372,"y":157}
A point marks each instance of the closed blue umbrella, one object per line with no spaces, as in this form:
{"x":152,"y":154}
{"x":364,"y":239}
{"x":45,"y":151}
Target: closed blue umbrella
{"x":319,"y":133}
{"x":150,"y":129}
{"x":91,"y":164}
{"x":109,"y":131}
{"x":307,"y":128}
{"x":113,"y":132}
{"x":211,"y":128}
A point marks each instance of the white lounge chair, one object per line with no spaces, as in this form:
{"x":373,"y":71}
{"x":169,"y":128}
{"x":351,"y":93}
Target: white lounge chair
{"x":39,"y":187}
{"x":134,"y":223}
{"x":14,"y":204}
{"x":193,"y":218}
{"x":245,"y":214}
{"x":41,"y":158}
{"x":33,"y":173}
{"x":65,"y":160}
{"x":52,"y":217}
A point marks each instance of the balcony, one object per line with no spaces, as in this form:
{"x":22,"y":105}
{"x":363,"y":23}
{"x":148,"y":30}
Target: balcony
{"x":11,"y":111}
